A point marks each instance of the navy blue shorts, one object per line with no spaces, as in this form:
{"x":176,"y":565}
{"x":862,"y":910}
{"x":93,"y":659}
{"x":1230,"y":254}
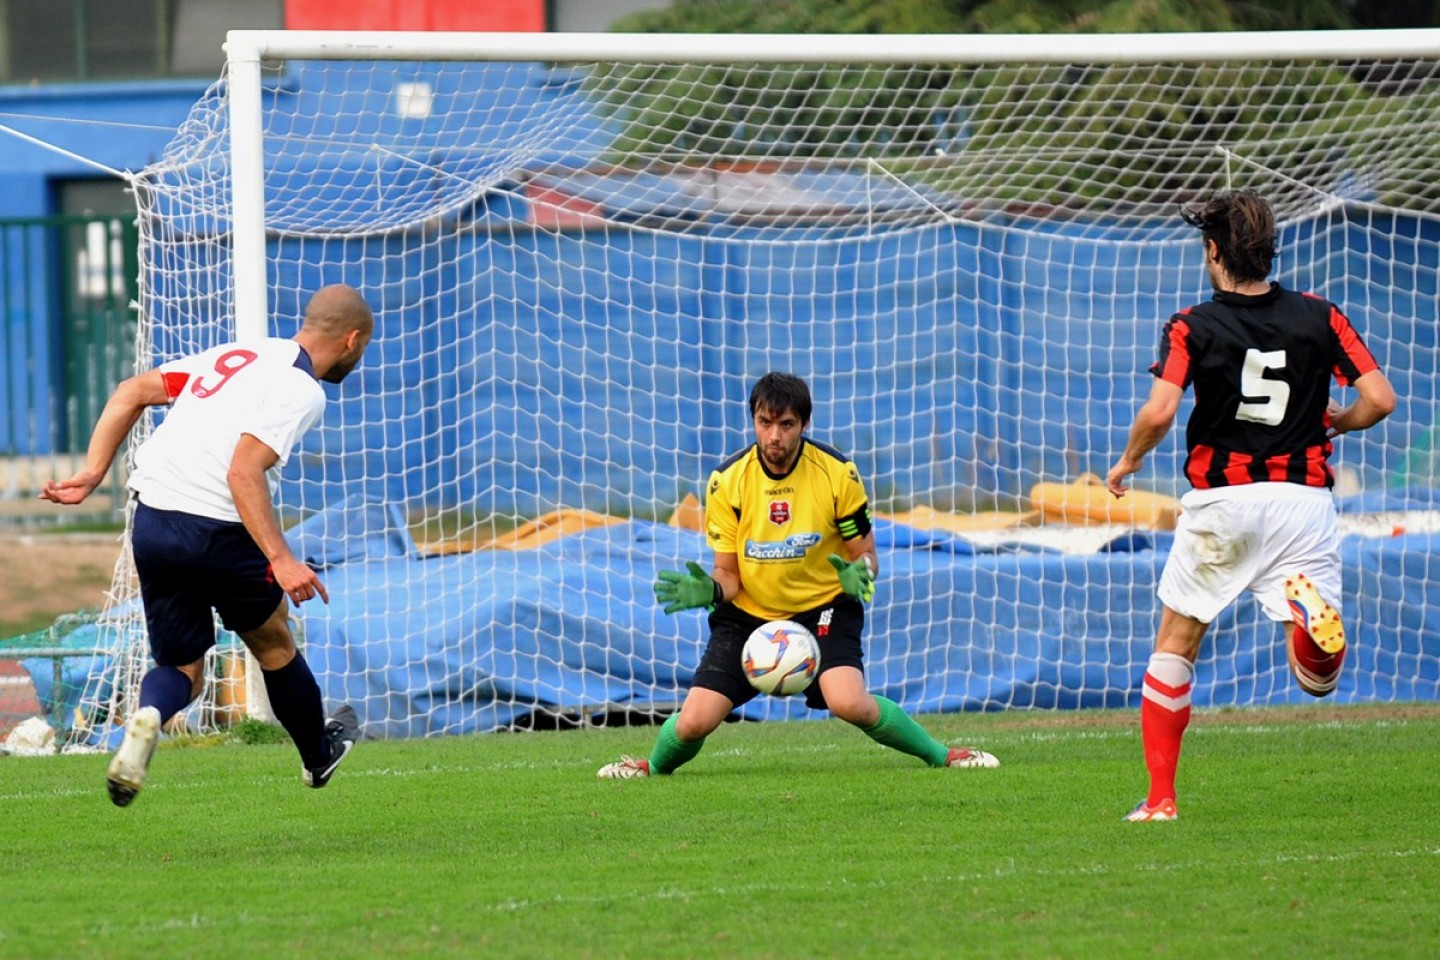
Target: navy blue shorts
{"x":836,"y":625}
{"x":191,"y":568}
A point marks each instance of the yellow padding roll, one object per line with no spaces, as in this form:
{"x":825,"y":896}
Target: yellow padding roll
{"x":1087,"y":501}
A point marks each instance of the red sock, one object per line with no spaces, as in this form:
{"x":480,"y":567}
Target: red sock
{"x":1316,"y":670}
{"x":1164,"y":715}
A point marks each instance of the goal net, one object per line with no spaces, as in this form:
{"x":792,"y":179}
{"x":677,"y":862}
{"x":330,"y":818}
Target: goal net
{"x":583,"y":250}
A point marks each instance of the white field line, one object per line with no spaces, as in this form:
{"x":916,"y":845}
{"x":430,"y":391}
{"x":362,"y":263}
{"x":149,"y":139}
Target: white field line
{"x":594,"y":762}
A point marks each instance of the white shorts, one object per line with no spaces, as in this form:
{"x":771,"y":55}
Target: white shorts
{"x":1251,"y":537}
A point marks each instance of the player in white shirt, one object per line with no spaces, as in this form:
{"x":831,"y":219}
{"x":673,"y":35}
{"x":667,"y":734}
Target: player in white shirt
{"x":205,"y":538}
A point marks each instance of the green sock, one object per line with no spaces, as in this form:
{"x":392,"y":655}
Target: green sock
{"x":899,"y":731}
{"x":670,"y":752}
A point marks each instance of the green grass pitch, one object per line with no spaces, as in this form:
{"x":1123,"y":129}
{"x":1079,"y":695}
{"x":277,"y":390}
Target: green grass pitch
{"x":1304,"y":833}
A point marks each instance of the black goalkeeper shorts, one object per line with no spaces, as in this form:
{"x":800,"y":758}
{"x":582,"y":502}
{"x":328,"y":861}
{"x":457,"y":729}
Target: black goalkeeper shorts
{"x":836,"y":625}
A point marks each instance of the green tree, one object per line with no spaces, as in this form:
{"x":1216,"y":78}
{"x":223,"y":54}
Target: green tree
{"x":1045,"y":134}
{"x":797,"y":16}
{"x":1026,"y":16}
{"x":1020,"y":16}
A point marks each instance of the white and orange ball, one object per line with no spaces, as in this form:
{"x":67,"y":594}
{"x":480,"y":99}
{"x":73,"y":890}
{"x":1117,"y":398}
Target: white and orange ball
{"x":780,"y":658}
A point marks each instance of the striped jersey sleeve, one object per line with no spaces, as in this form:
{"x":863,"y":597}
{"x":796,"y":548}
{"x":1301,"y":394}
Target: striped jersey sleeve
{"x":1352,"y":358}
{"x":1174,"y":363}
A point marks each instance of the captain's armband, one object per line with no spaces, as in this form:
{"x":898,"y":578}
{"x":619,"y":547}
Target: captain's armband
{"x":856,"y":524}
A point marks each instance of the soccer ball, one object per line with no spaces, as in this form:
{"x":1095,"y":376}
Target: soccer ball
{"x":780,"y":658}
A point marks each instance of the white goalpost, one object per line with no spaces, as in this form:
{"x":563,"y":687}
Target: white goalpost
{"x":582,"y":249}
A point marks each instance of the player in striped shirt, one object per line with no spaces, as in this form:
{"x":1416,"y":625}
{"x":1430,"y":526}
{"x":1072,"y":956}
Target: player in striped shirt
{"x":204,"y":537}
{"x":1260,"y":516}
{"x":789,"y":522}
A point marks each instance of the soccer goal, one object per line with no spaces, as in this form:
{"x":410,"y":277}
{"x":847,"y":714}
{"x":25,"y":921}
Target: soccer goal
{"x":583,"y":249}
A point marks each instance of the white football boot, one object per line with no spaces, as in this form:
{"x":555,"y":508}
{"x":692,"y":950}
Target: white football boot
{"x":126,"y":773}
{"x":626,"y":768}
{"x":970,"y":757}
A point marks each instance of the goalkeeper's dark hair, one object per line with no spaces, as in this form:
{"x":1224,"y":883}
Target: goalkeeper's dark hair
{"x":1242,"y":226}
{"x":781,"y":393}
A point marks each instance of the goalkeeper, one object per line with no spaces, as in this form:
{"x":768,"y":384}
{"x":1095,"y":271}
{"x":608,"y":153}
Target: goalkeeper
{"x":790,"y":526}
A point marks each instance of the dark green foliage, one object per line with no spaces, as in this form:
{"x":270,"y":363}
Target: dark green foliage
{"x":799,"y":16}
{"x":685,"y":113}
{"x":1110,"y":138}
{"x":1017,"y":16}
{"x":251,"y":731}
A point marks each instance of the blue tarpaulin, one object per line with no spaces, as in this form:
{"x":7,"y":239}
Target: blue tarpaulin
{"x":481,"y":641}
{"x":478,"y":641}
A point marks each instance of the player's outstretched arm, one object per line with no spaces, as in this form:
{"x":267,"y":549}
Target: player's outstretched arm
{"x":252,"y":500}
{"x":121,"y":411}
{"x":1151,"y":424}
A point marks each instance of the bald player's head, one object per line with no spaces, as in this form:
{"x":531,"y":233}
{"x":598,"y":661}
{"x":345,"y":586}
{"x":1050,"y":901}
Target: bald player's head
{"x":336,"y":310}
{"x":337,"y":327}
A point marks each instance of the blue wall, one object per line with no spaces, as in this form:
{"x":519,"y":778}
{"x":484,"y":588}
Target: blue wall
{"x":124,"y":126}
{"x":960,"y":363}
{"x":120,"y":126}
{"x":533,"y":369}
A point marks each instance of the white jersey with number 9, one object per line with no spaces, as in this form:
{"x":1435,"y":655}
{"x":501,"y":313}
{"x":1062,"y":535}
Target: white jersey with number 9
{"x":266,"y":388}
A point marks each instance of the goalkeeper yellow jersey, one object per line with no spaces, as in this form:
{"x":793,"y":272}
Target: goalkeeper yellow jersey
{"x":783,"y":529}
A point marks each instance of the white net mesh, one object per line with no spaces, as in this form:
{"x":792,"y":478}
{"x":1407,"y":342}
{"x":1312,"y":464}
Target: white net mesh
{"x":579,"y":269}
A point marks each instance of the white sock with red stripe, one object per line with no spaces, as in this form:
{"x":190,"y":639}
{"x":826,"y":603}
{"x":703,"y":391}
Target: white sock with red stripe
{"x":1164,"y":715}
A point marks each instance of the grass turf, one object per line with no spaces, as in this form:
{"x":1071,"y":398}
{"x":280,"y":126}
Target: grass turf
{"x":1303,"y":832}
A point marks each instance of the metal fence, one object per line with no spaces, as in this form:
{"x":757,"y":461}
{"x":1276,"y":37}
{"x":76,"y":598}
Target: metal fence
{"x":67,"y":337}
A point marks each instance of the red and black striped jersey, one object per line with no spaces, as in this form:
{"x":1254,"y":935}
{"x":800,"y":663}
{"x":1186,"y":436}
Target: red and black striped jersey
{"x":1261,"y":368}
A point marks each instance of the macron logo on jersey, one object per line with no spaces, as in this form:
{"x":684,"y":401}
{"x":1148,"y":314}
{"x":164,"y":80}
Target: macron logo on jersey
{"x":792,"y":547}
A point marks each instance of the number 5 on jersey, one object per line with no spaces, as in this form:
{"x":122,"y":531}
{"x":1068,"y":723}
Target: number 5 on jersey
{"x":1253,"y":383}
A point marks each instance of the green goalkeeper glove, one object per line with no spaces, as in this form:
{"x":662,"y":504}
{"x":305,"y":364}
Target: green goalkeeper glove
{"x":680,"y":591}
{"x":856,"y":577}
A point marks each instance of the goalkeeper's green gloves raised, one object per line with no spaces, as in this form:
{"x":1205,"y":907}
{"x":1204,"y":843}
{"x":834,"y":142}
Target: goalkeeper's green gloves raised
{"x":687,"y":591}
{"x":856,"y":577}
